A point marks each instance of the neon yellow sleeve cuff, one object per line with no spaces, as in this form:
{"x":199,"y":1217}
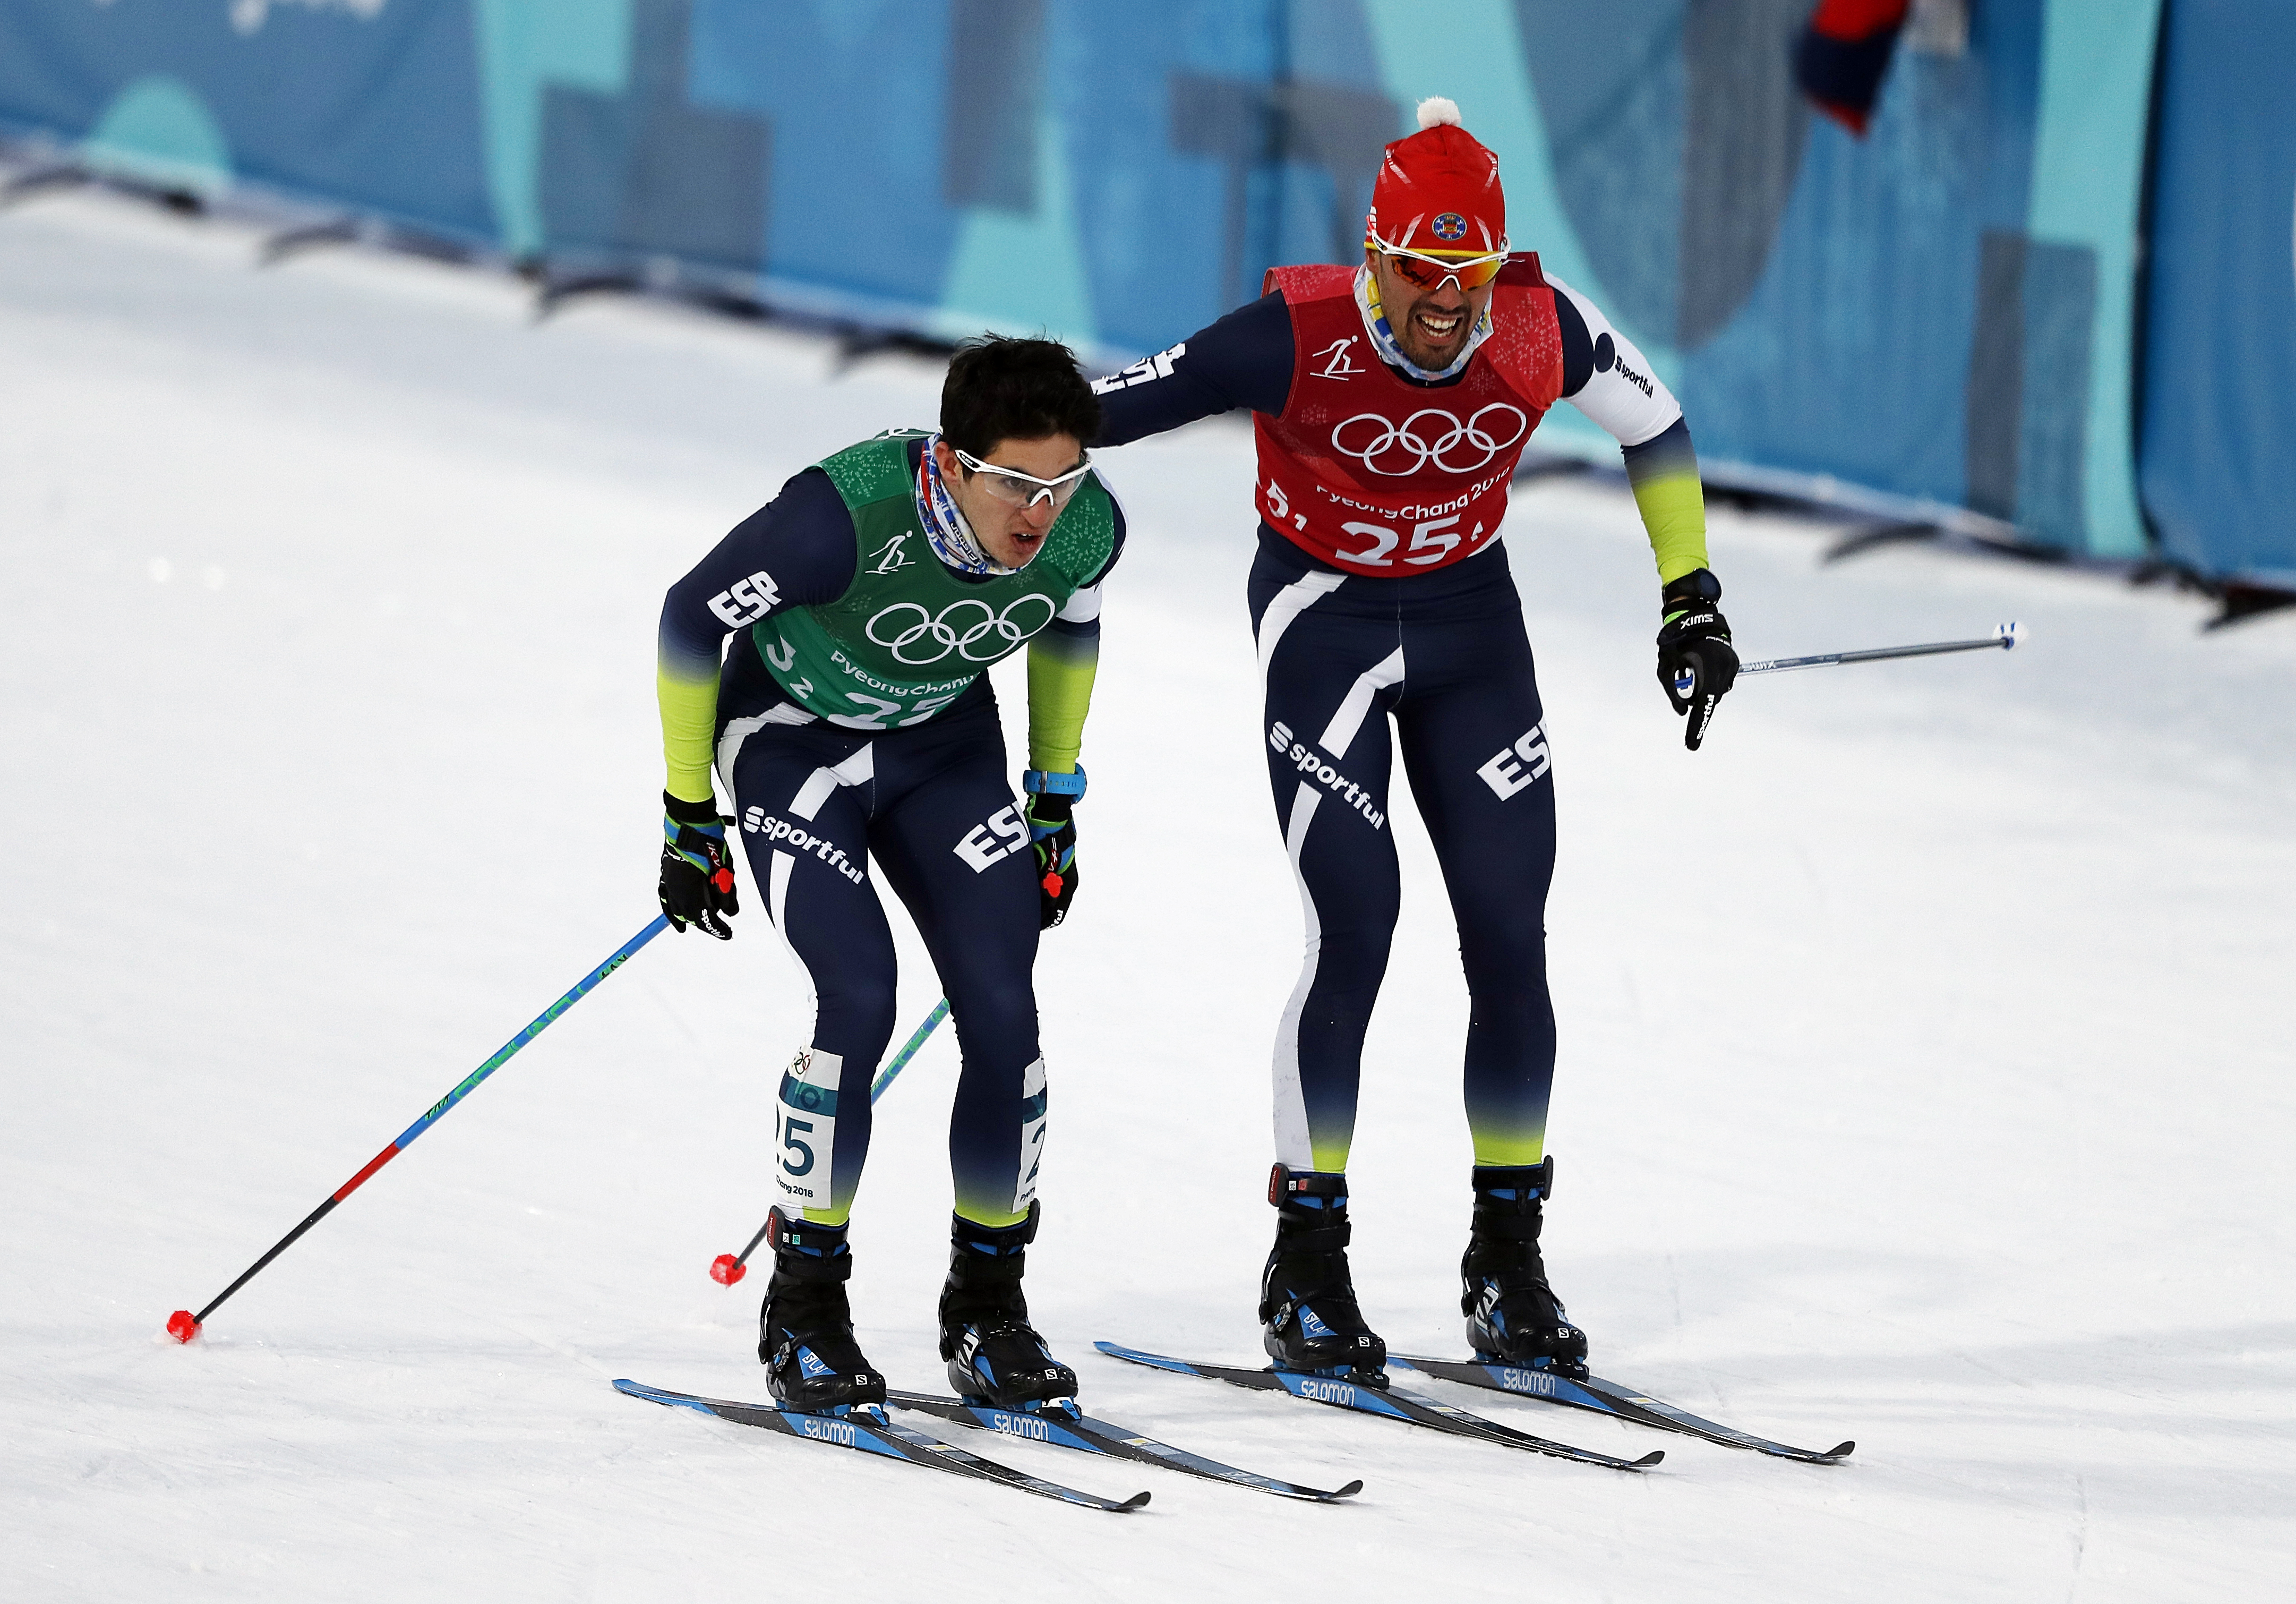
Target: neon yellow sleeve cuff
{"x":1674,"y":516}
{"x":1060,"y":671}
{"x":1664,"y":475}
{"x":689,"y":727}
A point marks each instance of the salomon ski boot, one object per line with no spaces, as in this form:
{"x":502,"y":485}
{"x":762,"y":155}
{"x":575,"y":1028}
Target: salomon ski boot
{"x":805,"y":1331}
{"x":993,"y":1352}
{"x":1513,"y":1315}
{"x":1308,"y":1314}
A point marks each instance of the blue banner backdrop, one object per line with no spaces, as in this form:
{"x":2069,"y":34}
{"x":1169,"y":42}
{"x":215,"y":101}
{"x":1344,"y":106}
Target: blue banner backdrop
{"x":1941,"y":312}
{"x":2219,"y":439}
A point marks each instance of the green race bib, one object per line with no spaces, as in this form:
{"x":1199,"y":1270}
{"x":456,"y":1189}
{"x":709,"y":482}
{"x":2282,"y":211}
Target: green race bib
{"x":910,"y":633}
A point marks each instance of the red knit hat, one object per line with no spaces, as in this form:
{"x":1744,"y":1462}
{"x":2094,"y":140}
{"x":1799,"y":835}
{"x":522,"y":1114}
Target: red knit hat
{"x":1439,"y":189}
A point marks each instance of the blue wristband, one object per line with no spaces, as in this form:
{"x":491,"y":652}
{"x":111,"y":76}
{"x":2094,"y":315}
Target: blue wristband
{"x":1038,"y":781}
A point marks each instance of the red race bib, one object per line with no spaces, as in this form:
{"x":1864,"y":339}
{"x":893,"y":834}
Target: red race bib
{"x":1375,"y":475}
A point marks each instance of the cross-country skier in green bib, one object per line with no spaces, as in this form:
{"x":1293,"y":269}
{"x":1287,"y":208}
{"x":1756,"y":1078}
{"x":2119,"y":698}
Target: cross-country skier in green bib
{"x":853,"y":726}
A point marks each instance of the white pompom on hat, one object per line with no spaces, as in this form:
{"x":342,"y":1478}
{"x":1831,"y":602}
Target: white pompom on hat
{"x":1436,"y":110}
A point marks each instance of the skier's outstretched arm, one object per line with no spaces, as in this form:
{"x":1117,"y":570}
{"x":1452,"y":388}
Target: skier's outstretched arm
{"x":1607,"y":379}
{"x":1243,"y":362}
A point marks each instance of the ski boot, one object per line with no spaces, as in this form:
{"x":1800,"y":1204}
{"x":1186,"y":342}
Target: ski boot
{"x":1308,"y":1314}
{"x":1513,"y":1315}
{"x":805,"y":1331}
{"x":993,"y":1354}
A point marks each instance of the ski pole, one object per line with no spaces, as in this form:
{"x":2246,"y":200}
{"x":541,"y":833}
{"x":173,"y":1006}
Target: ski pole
{"x":2004,"y":635}
{"x":182,"y":1325}
{"x":728,"y":1268}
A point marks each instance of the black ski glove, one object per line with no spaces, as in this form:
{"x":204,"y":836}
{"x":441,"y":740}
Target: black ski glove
{"x":1696,"y":663}
{"x":697,"y":869}
{"x":1052,"y":833}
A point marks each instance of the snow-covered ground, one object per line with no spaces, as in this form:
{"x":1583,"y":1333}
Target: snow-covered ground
{"x":1924,"y":1074}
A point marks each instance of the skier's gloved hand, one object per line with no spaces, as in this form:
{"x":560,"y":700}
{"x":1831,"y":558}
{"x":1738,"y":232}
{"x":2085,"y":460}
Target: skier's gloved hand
{"x":1696,"y":663}
{"x":697,"y":868}
{"x":1051,"y":835}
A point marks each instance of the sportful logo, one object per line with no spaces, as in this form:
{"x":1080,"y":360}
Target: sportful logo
{"x":1397,"y":450}
{"x":1338,"y":360}
{"x":959,"y":627}
{"x":889,"y":557}
{"x":746,"y":602}
{"x":1303,"y":757}
{"x":1606,"y":358}
{"x":797,"y":838}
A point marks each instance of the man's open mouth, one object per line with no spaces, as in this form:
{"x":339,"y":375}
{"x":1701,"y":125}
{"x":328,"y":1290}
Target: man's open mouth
{"x":1441,"y":328}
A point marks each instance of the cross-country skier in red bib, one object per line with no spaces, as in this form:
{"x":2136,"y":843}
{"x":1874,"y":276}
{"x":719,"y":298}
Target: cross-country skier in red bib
{"x":1392,"y":401}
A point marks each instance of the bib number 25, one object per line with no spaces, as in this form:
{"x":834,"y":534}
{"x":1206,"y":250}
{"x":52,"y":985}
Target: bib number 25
{"x":1432,"y":541}
{"x":875,"y":711}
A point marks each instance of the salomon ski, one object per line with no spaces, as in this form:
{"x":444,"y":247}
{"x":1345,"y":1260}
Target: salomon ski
{"x":1390,"y":1401}
{"x":867,"y":1430}
{"x":1066,"y":1429}
{"x":1608,"y":1398}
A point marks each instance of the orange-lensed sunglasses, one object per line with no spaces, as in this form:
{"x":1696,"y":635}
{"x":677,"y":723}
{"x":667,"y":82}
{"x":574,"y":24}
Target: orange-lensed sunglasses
{"x":1428,"y":271}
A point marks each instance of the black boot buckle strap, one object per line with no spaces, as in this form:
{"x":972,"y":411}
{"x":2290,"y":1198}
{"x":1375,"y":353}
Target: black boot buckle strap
{"x":1491,"y":1225}
{"x":1293,"y":1236}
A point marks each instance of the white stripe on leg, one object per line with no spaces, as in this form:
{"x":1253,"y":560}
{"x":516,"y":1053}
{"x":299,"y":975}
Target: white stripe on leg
{"x":1292,"y":1146}
{"x":1356,"y":705}
{"x":1287,"y":605}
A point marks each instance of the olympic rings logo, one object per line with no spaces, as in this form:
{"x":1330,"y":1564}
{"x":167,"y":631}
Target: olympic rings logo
{"x":1395,"y":450}
{"x":958,"y":627}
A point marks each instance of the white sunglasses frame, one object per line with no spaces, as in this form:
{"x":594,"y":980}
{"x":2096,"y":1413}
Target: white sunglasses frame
{"x":1450,"y":267}
{"x":1047,"y":489}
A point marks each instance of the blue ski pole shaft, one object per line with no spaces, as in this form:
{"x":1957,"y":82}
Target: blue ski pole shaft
{"x":184,"y":1325}
{"x":909,"y":1050}
{"x":730,"y":1268}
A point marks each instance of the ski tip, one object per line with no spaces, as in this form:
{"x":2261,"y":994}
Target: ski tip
{"x":1841,"y":1450}
{"x":1138,"y":1501}
{"x":1350,"y":1491}
{"x":1648,"y":1460}
{"x":1117,"y":1350}
{"x":726,"y":1270}
{"x":182,"y":1327}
